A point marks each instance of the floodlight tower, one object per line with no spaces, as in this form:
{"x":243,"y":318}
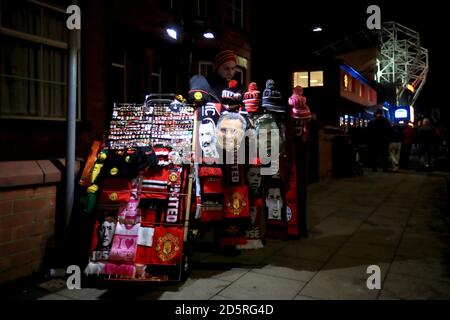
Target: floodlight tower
{"x":402,"y":61}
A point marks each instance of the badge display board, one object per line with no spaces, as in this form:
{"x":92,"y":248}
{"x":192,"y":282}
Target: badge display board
{"x":142,"y":192}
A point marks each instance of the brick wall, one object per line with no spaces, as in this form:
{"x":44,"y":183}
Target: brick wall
{"x":27,"y":215}
{"x":27,"y":219}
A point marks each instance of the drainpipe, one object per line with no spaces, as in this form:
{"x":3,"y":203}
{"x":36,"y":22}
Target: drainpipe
{"x":71,"y":124}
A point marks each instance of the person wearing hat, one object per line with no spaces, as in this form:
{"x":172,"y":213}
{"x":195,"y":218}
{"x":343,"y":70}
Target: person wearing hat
{"x":380,"y":132}
{"x":224,"y":69}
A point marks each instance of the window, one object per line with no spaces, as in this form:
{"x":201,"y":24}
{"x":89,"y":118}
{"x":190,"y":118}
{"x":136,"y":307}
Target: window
{"x":239,"y":75}
{"x":347,"y":82}
{"x":205,"y":68}
{"x":307,"y":79}
{"x":301,"y":79}
{"x":33,"y":60}
{"x":316,"y":79}
{"x":237,"y":13}
{"x":362,"y":88}
{"x":202,"y":8}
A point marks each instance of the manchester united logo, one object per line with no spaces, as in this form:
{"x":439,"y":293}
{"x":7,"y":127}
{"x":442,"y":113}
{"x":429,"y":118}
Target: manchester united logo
{"x":236,"y":203}
{"x":167,"y":247}
{"x":113,"y":196}
{"x":173,"y":177}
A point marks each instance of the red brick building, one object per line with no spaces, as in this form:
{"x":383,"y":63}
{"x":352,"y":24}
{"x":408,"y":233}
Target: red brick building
{"x":124,"y":54}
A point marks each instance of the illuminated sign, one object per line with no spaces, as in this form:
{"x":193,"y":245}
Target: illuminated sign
{"x":401,"y":113}
{"x":345,"y":81}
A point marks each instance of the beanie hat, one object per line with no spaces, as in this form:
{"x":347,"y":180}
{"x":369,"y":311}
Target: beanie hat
{"x":252,"y":98}
{"x":223,"y":57}
{"x":231,"y":98}
{"x":298,"y":103}
{"x":271,"y":100}
{"x":199,"y":89}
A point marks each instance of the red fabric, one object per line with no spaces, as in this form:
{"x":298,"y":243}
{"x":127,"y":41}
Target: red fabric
{"x":148,"y":217}
{"x":116,"y":190}
{"x":236,"y":203}
{"x":211,"y":213}
{"x":291,"y":199}
{"x":94,"y":241}
{"x":154,"y":183}
{"x":143,"y":255}
{"x":209,"y":171}
{"x":167,"y":246}
{"x":212,"y":185}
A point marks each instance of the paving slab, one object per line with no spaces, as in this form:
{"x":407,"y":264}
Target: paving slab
{"x":262,"y":287}
{"x":332,"y":287}
{"x":289,"y":268}
{"x":400,"y":286}
{"x":198,"y":289}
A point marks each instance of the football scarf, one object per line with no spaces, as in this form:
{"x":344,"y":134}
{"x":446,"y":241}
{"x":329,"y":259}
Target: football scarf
{"x":167,"y":245}
{"x":85,"y":179}
{"x":252,"y":234}
{"x":115,"y":191}
{"x":124,"y":243}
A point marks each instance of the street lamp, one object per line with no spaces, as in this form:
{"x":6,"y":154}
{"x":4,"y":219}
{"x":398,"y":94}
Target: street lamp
{"x":209,"y":35}
{"x":172,"y":33}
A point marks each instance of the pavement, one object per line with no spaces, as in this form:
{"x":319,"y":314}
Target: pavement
{"x":398,"y":222}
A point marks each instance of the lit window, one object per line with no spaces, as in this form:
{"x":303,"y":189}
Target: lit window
{"x":300,"y":79}
{"x":316,"y":79}
{"x":33,"y":60}
{"x":347,"y":82}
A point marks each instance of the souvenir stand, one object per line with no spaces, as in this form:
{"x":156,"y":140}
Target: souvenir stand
{"x":170,"y":170}
{"x":139,"y":186}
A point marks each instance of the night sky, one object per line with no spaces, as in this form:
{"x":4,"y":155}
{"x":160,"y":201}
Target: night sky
{"x":292,"y":21}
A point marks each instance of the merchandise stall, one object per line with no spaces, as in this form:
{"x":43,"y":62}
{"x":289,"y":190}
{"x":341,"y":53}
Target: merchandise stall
{"x":170,"y":169}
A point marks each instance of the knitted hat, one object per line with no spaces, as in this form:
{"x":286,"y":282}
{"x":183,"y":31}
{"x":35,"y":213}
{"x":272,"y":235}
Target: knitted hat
{"x":298,"y":103}
{"x":223,"y":57}
{"x":200,"y":89}
{"x":231,"y":98}
{"x":252,"y":98}
{"x":271,"y":100}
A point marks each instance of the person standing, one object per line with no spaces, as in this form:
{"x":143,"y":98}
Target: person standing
{"x":408,"y":139}
{"x":379,"y":131}
{"x":427,"y":138}
{"x":224,"y":69}
{"x":395,"y":147}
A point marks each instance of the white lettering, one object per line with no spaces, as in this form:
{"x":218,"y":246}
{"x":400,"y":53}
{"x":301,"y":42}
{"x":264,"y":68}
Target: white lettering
{"x":74,"y":280}
{"x":74,"y":20}
{"x":374,"y":21}
{"x":374,"y":281}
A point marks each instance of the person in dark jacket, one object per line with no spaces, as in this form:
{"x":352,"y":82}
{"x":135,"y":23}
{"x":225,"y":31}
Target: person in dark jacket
{"x":224,"y":69}
{"x":379,"y":134}
{"x":427,"y":137}
{"x":395,"y":147}
{"x":409,"y":135}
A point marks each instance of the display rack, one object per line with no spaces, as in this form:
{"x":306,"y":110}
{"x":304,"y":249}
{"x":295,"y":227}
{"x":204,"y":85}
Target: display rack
{"x":164,"y":126}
